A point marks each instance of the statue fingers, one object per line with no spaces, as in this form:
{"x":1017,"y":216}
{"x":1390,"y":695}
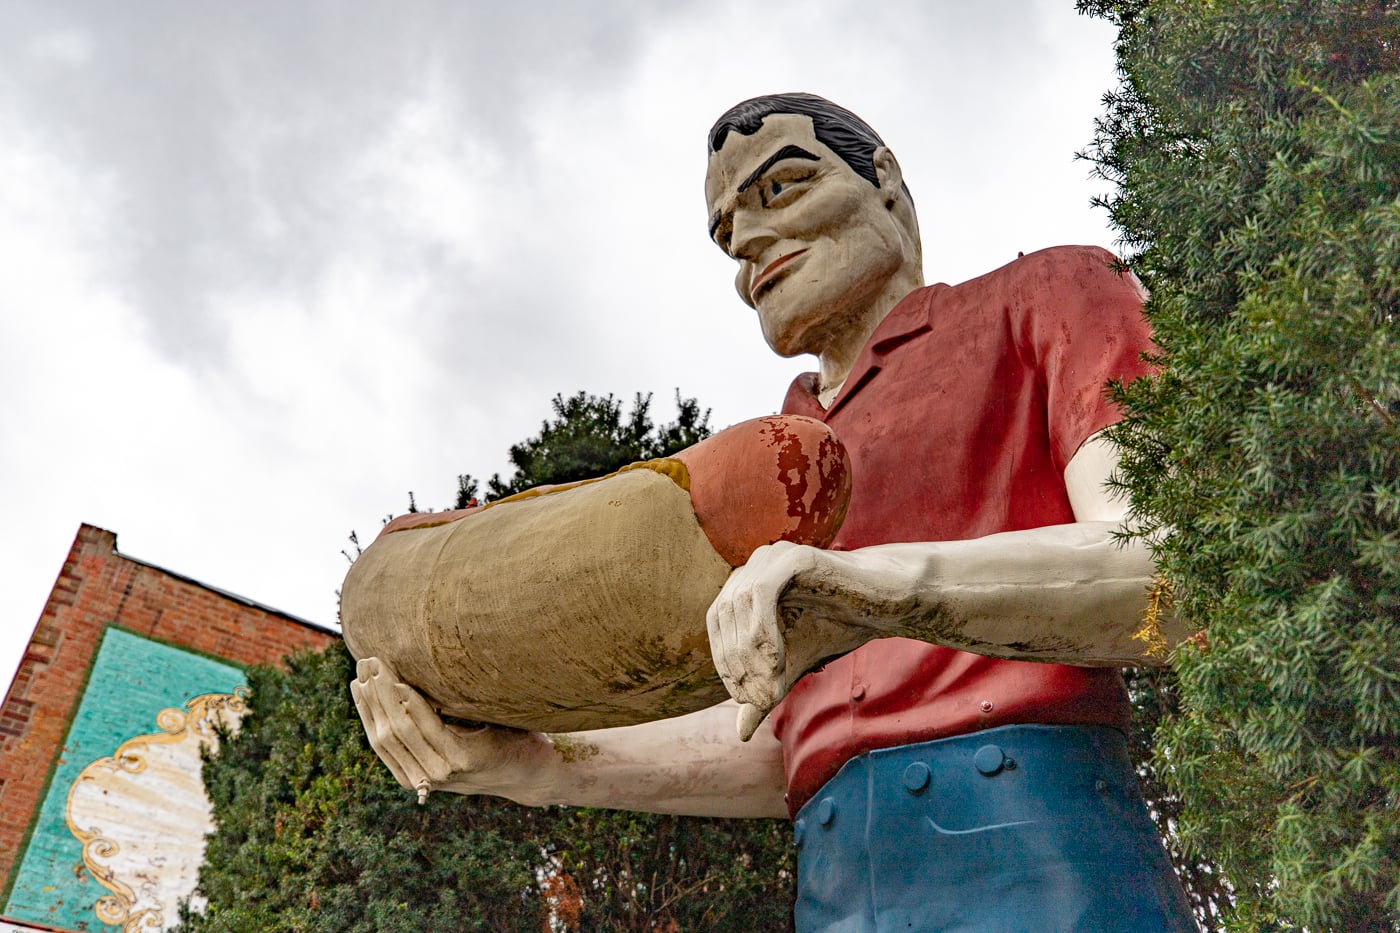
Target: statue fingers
{"x":719,"y":623}
{"x":749,"y":719}
{"x":367,"y":704}
{"x":368,"y":670}
{"x":381,"y":739}
{"x":387,"y":708}
{"x":424,"y":735}
{"x":745,"y":640}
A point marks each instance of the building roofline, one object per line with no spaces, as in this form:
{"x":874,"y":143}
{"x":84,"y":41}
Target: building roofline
{"x":233,"y":596}
{"x":227,"y":594}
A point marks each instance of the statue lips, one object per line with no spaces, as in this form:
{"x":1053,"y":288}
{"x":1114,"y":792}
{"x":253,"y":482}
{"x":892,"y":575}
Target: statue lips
{"x":771,"y":271}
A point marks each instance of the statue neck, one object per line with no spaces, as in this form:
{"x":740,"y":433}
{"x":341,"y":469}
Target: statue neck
{"x":838,"y":356}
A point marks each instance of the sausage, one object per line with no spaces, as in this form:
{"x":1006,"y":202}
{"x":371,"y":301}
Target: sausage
{"x":583,"y":606}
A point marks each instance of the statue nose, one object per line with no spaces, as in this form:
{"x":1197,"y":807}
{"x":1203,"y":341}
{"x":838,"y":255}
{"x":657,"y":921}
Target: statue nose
{"x":750,"y":236}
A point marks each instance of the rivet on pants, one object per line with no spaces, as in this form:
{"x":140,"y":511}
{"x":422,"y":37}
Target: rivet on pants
{"x":986,"y":706}
{"x":916,"y":777}
{"x":826,"y":811}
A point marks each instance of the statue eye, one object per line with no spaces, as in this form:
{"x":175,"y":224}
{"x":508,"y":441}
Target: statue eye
{"x":776,"y":188}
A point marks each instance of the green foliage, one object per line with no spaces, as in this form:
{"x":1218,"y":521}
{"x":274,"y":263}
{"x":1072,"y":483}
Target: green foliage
{"x":1256,"y":149}
{"x":313,"y":834}
{"x":645,"y":873}
{"x":1156,"y":697}
{"x":590,"y":436}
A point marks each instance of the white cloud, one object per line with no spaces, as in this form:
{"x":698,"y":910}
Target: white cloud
{"x":271,"y":266}
{"x":65,"y":47}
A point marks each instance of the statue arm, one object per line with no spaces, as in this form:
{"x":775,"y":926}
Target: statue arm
{"x":1070,"y":593}
{"x":691,"y":765}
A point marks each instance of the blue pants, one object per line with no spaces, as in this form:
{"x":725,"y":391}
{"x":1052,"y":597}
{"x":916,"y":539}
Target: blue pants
{"x":1021,"y":828}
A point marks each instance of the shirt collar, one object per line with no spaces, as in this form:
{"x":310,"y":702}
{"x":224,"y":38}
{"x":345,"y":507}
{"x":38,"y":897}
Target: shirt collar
{"x":906,"y":320}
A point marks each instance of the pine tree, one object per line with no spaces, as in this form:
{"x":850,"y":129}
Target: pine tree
{"x":590,"y":436}
{"x":1256,"y":149}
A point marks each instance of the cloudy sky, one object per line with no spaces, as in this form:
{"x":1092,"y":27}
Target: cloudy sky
{"x":267,"y":266}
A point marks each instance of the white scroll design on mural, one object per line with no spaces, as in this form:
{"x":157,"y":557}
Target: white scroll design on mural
{"x":142,"y":814}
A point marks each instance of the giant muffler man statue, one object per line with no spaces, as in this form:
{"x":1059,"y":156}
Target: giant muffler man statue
{"x":947,"y":717}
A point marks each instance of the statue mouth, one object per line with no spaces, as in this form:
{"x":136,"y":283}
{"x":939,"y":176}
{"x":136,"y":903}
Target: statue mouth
{"x":770,"y":272}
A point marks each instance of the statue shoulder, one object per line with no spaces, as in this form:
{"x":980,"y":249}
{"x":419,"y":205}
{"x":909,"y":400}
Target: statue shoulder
{"x":1070,"y":262}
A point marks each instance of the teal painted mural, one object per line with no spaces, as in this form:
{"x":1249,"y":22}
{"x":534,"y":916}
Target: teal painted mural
{"x":133,"y":717}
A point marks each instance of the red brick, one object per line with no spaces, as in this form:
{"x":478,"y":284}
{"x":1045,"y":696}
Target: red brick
{"x":99,"y":586}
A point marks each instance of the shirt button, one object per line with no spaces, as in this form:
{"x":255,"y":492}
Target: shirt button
{"x":858,"y":692}
{"x":916,"y":777}
{"x":986,"y":706}
{"x":989,"y":759}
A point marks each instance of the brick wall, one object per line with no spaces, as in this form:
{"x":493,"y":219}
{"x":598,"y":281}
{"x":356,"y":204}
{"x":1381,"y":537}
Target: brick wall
{"x":99,"y":587}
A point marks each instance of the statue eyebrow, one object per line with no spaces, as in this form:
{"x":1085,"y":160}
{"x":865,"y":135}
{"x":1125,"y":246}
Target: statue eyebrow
{"x":787,"y":152}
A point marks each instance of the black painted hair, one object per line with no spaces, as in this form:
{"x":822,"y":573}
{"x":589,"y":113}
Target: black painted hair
{"x":837,"y":128}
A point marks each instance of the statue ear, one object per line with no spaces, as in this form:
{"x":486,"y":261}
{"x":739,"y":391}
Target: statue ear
{"x":888,"y":172}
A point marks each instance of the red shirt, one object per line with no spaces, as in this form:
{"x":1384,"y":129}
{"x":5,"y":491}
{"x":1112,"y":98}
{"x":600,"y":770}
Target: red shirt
{"x":959,"y":416}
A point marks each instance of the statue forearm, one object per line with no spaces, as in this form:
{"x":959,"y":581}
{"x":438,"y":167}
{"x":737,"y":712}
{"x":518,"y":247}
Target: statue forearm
{"x":1067,"y":593}
{"x":691,"y":765}
{"x":1072,"y":593}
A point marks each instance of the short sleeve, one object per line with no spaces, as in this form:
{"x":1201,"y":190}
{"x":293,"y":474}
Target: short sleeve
{"x":1079,"y":319}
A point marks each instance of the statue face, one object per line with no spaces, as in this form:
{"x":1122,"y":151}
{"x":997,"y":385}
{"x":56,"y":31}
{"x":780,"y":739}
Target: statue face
{"x":815,"y":242}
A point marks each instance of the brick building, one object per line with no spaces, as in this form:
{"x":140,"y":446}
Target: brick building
{"x":102,"y":814}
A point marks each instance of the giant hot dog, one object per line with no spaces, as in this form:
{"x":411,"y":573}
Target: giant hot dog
{"x":583,"y":606}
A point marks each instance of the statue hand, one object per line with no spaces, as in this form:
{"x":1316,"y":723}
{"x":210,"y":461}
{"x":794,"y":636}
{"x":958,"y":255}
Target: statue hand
{"x":779,"y":616}
{"x":424,"y":753}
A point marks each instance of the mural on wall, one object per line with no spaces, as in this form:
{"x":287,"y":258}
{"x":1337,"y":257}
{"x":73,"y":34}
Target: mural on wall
{"x":142,"y":814}
{"x":120,"y":830}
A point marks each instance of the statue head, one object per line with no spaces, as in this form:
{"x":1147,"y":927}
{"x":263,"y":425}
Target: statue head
{"x":805,"y":196}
